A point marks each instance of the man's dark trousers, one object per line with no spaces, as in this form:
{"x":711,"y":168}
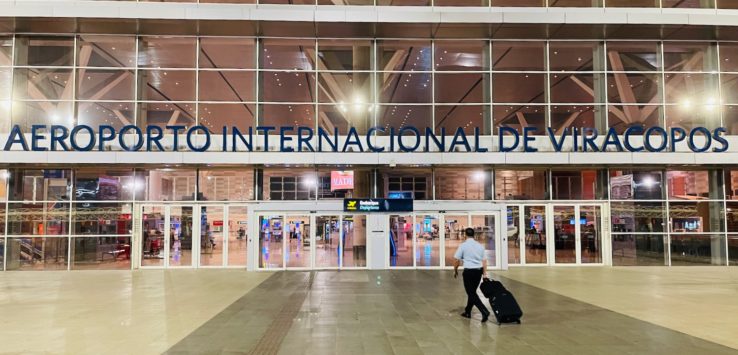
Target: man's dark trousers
{"x":472,"y":278}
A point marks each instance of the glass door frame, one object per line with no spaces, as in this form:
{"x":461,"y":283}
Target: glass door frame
{"x":550,"y":242}
{"x":195,"y":256}
{"x":441,"y":217}
{"x":224,"y":261}
{"x":313,"y":216}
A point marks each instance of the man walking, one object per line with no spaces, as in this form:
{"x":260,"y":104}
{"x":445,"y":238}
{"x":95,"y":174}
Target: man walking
{"x":471,"y":254}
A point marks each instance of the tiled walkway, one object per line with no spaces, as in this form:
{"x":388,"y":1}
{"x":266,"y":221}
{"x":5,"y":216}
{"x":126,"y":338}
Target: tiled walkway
{"x":416,"y":312}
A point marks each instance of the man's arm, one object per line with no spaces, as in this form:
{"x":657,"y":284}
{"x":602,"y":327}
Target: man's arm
{"x":484,"y":268}
{"x":457,"y":263}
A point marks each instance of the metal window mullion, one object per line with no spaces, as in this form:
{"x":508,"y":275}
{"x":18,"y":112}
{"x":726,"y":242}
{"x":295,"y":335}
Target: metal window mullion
{"x":433,"y":91}
{"x":197,"y":102}
{"x":136,"y":109}
{"x":720,"y":89}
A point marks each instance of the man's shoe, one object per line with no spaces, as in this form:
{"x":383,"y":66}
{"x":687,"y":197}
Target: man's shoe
{"x":485,"y":317}
{"x":466,"y":315}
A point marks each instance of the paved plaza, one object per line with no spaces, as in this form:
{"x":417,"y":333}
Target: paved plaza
{"x":357,"y":312}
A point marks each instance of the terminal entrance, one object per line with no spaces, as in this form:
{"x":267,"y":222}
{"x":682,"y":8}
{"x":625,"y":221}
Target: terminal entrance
{"x":423,"y":240}
{"x":193,"y":236}
{"x":555,"y":234}
{"x":312,"y":241}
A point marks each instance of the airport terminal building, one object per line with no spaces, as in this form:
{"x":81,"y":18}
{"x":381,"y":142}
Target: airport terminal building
{"x":343,"y":134}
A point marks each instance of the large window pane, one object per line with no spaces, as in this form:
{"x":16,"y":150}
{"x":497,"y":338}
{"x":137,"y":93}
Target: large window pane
{"x":568,"y":116}
{"x":237,"y":86}
{"x":461,"y":88}
{"x":352,"y":90}
{"x":106,"y":51}
{"x":518,"y":88}
{"x":37,"y":253}
{"x":43,"y":84}
{"x":341,"y":54}
{"x":102,"y":253}
{"x":166,"y":114}
{"x":621,"y":117}
{"x":44,"y":51}
{"x":695,"y":185}
{"x":521,"y":185}
{"x":397,"y":116}
{"x":227,"y":185}
{"x":461,"y":55}
{"x":287,"y":87}
{"x":687,"y":250}
{"x":287,"y":115}
{"x":237,"y":235}
{"x":105,"y":84}
{"x":731,"y":184}
{"x":103,"y":184}
{"x":167,"y":85}
{"x":289,"y":184}
{"x":577,"y":185}
{"x":731,"y":214}
{"x":575,"y":56}
{"x":576,"y":88}
{"x":636,"y":185}
{"x":733,"y":249}
{"x":287,"y":53}
{"x":215,"y":116}
{"x":6,"y":51}
{"x":463,"y":184}
{"x":212,"y":242}
{"x":344,"y":116}
{"x":402,"y":55}
{"x":690,"y":56}
{"x":345,"y":183}
{"x":231,"y":53}
{"x":518,"y":56}
{"x":406,"y":183}
{"x":519,"y":117}
{"x":102,"y":219}
{"x":633,"y":56}
{"x":638,"y":217}
{"x":39,"y":185}
{"x":696,"y":217}
{"x":467,"y":117}
{"x":43,"y":218}
{"x":639,"y":250}
{"x":634,"y":88}
{"x":167,"y":184}
{"x":405,"y":87}
{"x":167,"y":52}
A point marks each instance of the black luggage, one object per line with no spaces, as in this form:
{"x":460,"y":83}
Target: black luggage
{"x":504,"y":306}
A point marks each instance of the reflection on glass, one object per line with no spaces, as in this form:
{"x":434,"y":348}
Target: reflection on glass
{"x":231,"y":53}
{"x":401,"y":241}
{"x":639,"y":249}
{"x":354,"y":241}
{"x":698,"y":250}
{"x":523,"y":88}
{"x":43,"y":84}
{"x":519,"y":117}
{"x":404,"y":55}
{"x":102,"y":253}
{"x":454,"y":226}
{"x":427,"y":241}
{"x":106,"y":51}
{"x":102,"y":219}
{"x":638,"y":217}
{"x":105,"y":85}
{"x":534,"y":218}
{"x":37,"y":253}
{"x":297,"y":236}
{"x":238,"y":240}
{"x":513,"y":235}
{"x":696,"y":217}
{"x":484,"y":232}
{"x":463,"y":184}
{"x":343,"y":54}
{"x":226,"y":184}
{"x":180,"y":236}
{"x":153,"y":229}
{"x":690,"y":56}
{"x":212,"y":242}
{"x":41,"y":218}
{"x":733,"y":250}
{"x":576,"y":88}
{"x":636,"y":185}
{"x":271,"y":235}
{"x":517,"y":55}
{"x":565,"y":234}
{"x":521,"y":184}
{"x":327,"y":241}
{"x":575,"y":56}
{"x":167,"y":52}
{"x":590,"y":235}
{"x":44,"y":50}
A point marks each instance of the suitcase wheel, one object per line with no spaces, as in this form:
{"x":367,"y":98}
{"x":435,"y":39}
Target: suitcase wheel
{"x":518,"y":321}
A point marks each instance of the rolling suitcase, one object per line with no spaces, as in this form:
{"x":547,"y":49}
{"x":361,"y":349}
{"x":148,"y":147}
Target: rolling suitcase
{"x":504,"y":306}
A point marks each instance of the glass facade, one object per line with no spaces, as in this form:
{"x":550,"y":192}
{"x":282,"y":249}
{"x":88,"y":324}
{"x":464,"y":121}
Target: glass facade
{"x":339,"y":84}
